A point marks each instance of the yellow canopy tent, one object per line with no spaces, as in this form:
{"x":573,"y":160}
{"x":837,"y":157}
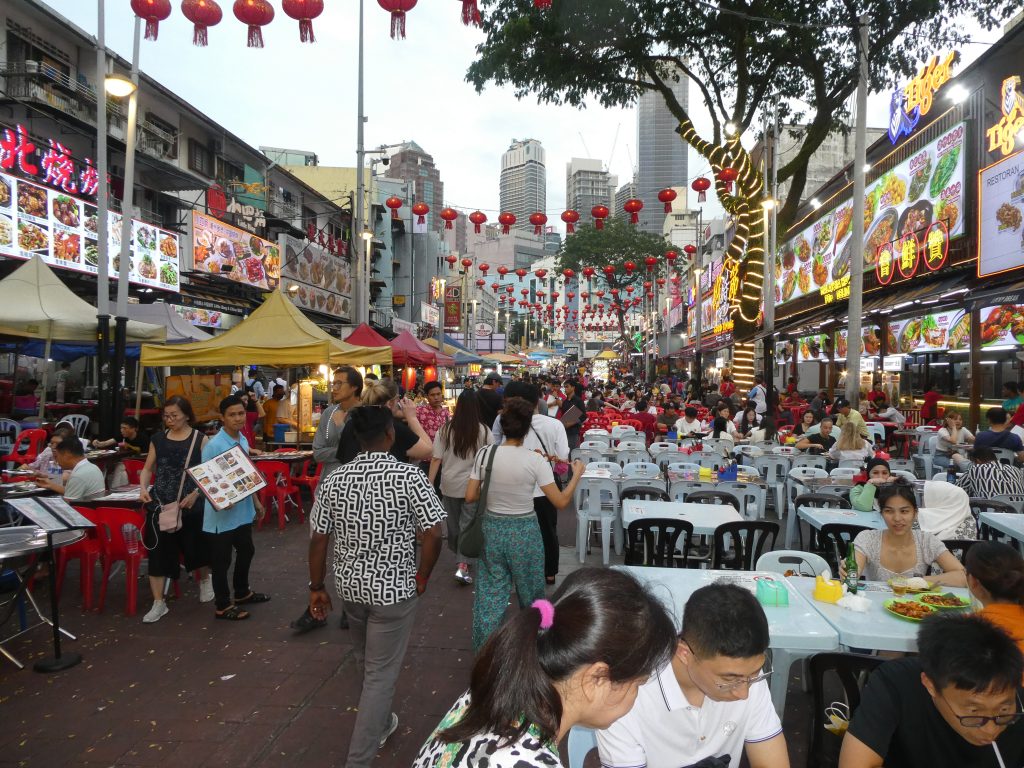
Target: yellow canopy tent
{"x":606,"y":355}
{"x":277,"y":334}
{"x":500,"y":357}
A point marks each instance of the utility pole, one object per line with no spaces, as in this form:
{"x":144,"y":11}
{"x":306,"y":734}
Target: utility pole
{"x":102,"y":235}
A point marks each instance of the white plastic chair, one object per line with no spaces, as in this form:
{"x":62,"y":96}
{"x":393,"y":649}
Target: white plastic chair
{"x":595,"y":440}
{"x":775,"y":470}
{"x":810,"y":460}
{"x":648,"y":488}
{"x":751,"y":497}
{"x":782,"y":560}
{"x":661,"y":446}
{"x":910,"y":477}
{"x":632,"y":456}
{"x":598,"y":502}
{"x":1015,"y":499}
{"x":907,"y":465}
{"x":678,"y":490}
{"x":664,"y":457}
{"x":1005,"y":455}
{"x":785,"y":450}
{"x":79,"y":421}
{"x":596,"y":432}
{"x":843,"y":472}
{"x":595,"y":445}
{"x":586,"y":455}
{"x":581,"y":741}
{"x":717,"y":445}
{"x":613,"y":467}
{"x":631,"y":445}
{"x":752,"y":451}
{"x":712,"y":461}
{"x":641,"y":469}
{"x":876,"y":432}
{"x":9,"y":431}
{"x":939,"y":477}
{"x":750,"y":469}
{"x":925,"y":453}
{"x":793,"y":489}
{"x":683,"y":466}
{"x":620,"y":431}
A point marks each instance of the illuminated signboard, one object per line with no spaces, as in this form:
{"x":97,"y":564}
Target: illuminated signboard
{"x":220,"y":249}
{"x":1003,"y":135}
{"x":322,"y":282}
{"x":1002,"y":325}
{"x":911,"y":212}
{"x":1001,"y":216}
{"x":936,"y":332}
{"x":54,"y":167}
{"x":914,"y":100}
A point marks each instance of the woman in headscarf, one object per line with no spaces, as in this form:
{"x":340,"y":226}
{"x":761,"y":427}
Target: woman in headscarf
{"x":946,"y":511}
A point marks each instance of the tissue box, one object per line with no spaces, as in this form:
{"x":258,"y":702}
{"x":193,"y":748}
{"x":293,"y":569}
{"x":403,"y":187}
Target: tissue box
{"x":772,"y":593}
{"x":827,"y":590}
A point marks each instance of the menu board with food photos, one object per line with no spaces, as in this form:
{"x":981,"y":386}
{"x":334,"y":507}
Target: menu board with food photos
{"x":62,"y":230}
{"x":323,"y":280}
{"x":906,"y":200}
{"x":936,"y":332}
{"x":871,"y":343}
{"x":203,"y":391}
{"x":1001,"y":226}
{"x":1002,"y":325}
{"x":232,"y":253}
{"x":228,"y":478}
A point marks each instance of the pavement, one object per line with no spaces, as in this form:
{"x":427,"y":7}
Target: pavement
{"x":192,"y":691}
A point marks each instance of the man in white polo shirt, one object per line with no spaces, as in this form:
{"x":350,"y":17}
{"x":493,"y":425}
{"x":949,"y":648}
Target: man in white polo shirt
{"x":712,"y":701}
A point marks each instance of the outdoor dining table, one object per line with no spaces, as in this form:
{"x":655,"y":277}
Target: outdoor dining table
{"x":1009,"y":523}
{"x":906,"y":436}
{"x":818,"y":517}
{"x":704,"y":517}
{"x":814,"y":483}
{"x":876,"y":630}
{"x":286,"y":456}
{"x":795,"y":630}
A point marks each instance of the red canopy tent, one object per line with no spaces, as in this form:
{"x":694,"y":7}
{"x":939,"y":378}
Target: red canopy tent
{"x":365,"y":336}
{"x":406,"y":349}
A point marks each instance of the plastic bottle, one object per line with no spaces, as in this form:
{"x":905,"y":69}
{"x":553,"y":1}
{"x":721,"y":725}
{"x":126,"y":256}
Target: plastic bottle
{"x":951,"y":474}
{"x":53,"y":471}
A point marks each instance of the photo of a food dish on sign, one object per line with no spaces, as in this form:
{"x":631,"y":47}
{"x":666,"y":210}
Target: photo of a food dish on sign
{"x":322,"y":280}
{"x":937,"y":332}
{"x":234,"y":254}
{"x":911,"y":213}
{"x":1001,"y":226}
{"x":1002,"y":325}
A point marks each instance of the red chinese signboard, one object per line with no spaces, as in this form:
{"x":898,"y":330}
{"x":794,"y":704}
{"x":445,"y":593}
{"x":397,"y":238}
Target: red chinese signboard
{"x":452,"y":306}
{"x":908,"y":255}
{"x":55,"y":166}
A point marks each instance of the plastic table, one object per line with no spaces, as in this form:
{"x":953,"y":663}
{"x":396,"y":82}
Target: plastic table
{"x":796,"y":630}
{"x":820,"y":517}
{"x":704,"y":517}
{"x":1009,"y":523}
{"x":876,"y":630}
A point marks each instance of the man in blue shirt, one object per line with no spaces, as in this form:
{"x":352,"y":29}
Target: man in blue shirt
{"x":231,"y":528}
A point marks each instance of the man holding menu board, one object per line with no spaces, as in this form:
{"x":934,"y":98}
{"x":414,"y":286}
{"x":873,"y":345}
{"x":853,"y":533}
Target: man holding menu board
{"x":231,"y":528}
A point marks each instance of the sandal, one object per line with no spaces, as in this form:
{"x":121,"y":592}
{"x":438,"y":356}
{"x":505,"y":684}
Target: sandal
{"x":253,"y":597}
{"x":232,"y":613}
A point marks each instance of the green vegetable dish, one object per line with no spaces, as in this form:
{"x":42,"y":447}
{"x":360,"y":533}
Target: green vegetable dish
{"x":944,"y":171}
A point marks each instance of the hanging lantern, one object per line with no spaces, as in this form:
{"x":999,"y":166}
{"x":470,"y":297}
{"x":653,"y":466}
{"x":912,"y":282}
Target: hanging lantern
{"x":483,"y":268}
{"x":609,"y":270}
{"x":421,"y":210}
{"x":676,"y":279}
{"x":570,"y":296}
{"x":629,"y":266}
{"x":568,"y":274}
{"x":666,"y":196}
{"x":480,"y":283}
{"x":509,"y":289}
{"x":633,"y":208}
{"x":152,"y":12}
{"x":570,"y":218}
{"x":255,"y":14}
{"x":541,"y":273}
{"x":467,"y":263}
{"x":555,"y":295}
{"x":650,"y":262}
{"x":521,"y":273}
{"x":588,"y":272}
{"x":584,"y":295}
{"x":599,"y":294}
{"x":494,"y":287}
{"x":599,"y":214}
{"x":451,"y":259}
{"x":689,"y":249}
{"x":727,"y":176}
{"x":615,"y":291}
{"x":701,"y":186}
{"x":670,"y":257}
{"x":394,"y":203}
{"x":525,"y":292}
{"x":538,"y":220}
{"x":409,"y":378}
{"x":506,"y":220}
{"x":449,"y":215}
{"x":397,"y":9}
{"x":660,"y":281}
{"x":629,"y":290}
{"x":471,"y":13}
{"x":647,"y":285}
{"x":502,"y":271}
{"x":203,"y":14}
{"x":304,"y":11}
{"x":478,"y":218}
{"x":429,"y":374}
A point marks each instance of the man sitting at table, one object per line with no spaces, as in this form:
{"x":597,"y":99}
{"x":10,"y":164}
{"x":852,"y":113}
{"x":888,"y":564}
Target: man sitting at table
{"x":888,"y":412}
{"x":689,"y":423}
{"x":85,"y":479}
{"x":711,"y":703}
{"x":667,"y":418}
{"x":999,"y":434}
{"x":820,"y":442}
{"x":844,"y":412}
{"x":133,"y":438}
{"x":957,"y":703}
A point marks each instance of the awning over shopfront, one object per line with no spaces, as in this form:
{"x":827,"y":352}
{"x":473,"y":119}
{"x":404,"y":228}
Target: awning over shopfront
{"x":179,"y":330}
{"x":277,"y":333}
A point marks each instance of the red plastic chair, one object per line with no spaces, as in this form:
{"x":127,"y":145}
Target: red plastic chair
{"x":31,"y":442}
{"x":307,"y":480}
{"x":87,"y":552}
{"x":280,"y":487}
{"x":132,"y":468}
{"x":114,"y":548}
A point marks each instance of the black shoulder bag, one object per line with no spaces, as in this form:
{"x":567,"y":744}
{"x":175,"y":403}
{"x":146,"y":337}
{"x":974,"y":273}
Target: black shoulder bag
{"x":471,"y":540}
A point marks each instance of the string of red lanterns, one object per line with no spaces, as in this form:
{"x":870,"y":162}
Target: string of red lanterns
{"x":203,"y":14}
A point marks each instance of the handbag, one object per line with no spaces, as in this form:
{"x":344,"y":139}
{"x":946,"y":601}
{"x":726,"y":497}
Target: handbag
{"x":170,"y":514}
{"x":471,"y":540}
{"x":560,"y":470}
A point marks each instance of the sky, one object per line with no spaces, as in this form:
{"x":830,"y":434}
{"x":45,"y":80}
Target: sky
{"x":303,"y":96}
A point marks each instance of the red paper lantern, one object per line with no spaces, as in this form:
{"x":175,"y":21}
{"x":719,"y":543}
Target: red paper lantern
{"x":666,"y":196}
{"x":397,"y":9}
{"x":588,"y":272}
{"x":599,"y":214}
{"x":152,"y":12}
{"x":649,"y":295}
{"x":584,"y":295}
{"x":521,"y":273}
{"x":394,"y":203}
{"x":421,"y":210}
{"x":650,"y":262}
{"x":599,"y":294}
{"x":525,"y":292}
{"x":701,"y":185}
{"x":502,"y":271}
{"x":629,"y":266}
{"x":255,"y":14}
{"x":570,"y":295}
{"x":670,"y":257}
{"x":494,"y":287}
{"x":609,"y":270}
{"x":629,"y":290}
{"x":648,"y":285}
{"x":478,"y":218}
{"x":633,"y":208}
{"x":727,"y":176}
{"x":615,"y":291}
{"x":451,"y":259}
{"x":568,"y":274}
{"x":480,"y":283}
{"x":470,"y":13}
{"x":449,"y":215}
{"x":409,"y":378}
{"x":541,"y":273}
{"x":483,"y":268}
{"x":506,"y":220}
{"x":467,"y":263}
{"x":538,"y":220}
{"x":660,"y":281}
{"x":203,"y":14}
{"x":304,"y":11}
{"x":509,"y":289}
{"x":555,"y":295}
{"x":690,"y":249}
{"x":570,"y":218}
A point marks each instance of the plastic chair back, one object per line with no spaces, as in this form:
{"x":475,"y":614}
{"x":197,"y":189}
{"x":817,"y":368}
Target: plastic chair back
{"x":683,"y":466}
{"x":836,"y":538}
{"x":110,"y":522}
{"x":661,"y":446}
{"x":748,"y":468}
{"x":644,"y":490}
{"x":581,"y":741}
{"x":959,"y":547}
{"x":595,"y":445}
{"x":751,"y":496}
{"x":822,"y":501}
{"x":714,"y":462}
{"x":641,"y":469}
{"x":680,"y":490}
{"x":810,"y":460}
{"x":751,"y":451}
{"x":844,"y":472}
{"x":748,"y":540}
{"x":803,"y":473}
{"x":1005,"y":455}
{"x":774,"y":469}
{"x":716,"y":496}
{"x":632,"y":456}
{"x":852,"y":671}
{"x":910,"y":477}
{"x":79,"y":421}
{"x":599,"y":497}
{"x":631,"y":445}
{"x":620,"y":431}
{"x":907,"y":465}
{"x":1014,"y":500}
{"x":132,"y":468}
{"x":585,"y":455}
{"x":611,"y":466}
{"x":785,"y":450}
{"x":30,"y":443}
{"x":794,"y":561}
{"x":654,"y":542}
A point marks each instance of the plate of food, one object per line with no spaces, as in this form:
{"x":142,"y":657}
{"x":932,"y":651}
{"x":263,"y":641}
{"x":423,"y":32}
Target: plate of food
{"x":788,"y":286}
{"x":993,"y":325}
{"x":915,"y":219}
{"x":822,"y":234}
{"x":819,"y":270}
{"x":31,"y":200}
{"x":32,"y":238}
{"x":803,"y":279}
{"x":909,"y":610}
{"x":67,"y":246}
{"x":145,"y":237}
{"x":6,"y":231}
{"x":945,"y":601}
{"x":5,"y":194}
{"x":883,"y":231}
{"x":803,"y":249}
{"x":841,"y":264}
{"x":168,"y":247}
{"x":168,"y":274}
{"x":147,"y":267}
{"x":919,"y":179}
{"x":66,"y":211}
{"x":960,"y":330}
{"x":944,"y":171}
{"x":891,"y":189}
{"x":843,"y":220}
{"x":914,"y":585}
{"x":872,"y":344}
{"x":910,"y":336}
{"x":92,"y":253}
{"x":948,"y":211}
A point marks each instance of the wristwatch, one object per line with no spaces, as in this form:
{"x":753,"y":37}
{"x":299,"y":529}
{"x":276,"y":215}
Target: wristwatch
{"x":316,"y":587}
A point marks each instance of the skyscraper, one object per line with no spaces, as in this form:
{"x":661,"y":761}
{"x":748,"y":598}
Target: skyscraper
{"x":412,"y":164}
{"x":523,"y":186}
{"x":622,"y":194}
{"x":661,"y":154}
{"x":587,"y":184}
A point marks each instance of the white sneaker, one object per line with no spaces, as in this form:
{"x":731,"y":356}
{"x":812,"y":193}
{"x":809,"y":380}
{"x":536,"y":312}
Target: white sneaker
{"x":206,"y":590}
{"x":462,"y":574}
{"x":157,"y":612}
{"x":392,"y":727}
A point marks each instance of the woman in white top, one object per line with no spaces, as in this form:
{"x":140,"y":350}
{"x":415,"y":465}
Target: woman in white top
{"x":851,"y":446}
{"x":951,"y":435}
{"x":455,"y":446}
{"x":513,"y":552}
{"x":767,"y":431}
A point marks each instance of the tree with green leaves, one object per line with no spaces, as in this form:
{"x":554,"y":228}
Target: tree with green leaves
{"x":741,"y":55}
{"x":615,"y":245}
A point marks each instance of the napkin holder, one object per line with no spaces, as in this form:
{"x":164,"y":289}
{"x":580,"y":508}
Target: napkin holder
{"x":772,"y":593}
{"x":728,"y":473}
{"x":705,"y":473}
{"x":827,"y":590}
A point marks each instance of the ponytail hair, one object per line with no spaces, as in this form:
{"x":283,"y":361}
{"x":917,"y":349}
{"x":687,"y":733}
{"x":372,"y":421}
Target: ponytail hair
{"x":378,"y":392}
{"x":600,"y":615}
{"x":1000,"y":569}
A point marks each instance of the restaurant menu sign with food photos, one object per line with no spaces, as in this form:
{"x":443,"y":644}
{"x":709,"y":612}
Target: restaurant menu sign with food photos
{"x":905,"y":202}
{"x":228,"y":478}
{"x":1001,"y":225}
{"x":939,"y":332}
{"x":232,"y":253}
{"x":62,"y":230}
{"x":324,"y":281}
{"x":871,"y":343}
{"x":1002,"y":325}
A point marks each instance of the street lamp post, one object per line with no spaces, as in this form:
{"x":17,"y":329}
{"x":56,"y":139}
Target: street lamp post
{"x":362,"y":313}
{"x":103,"y":239}
{"x":440,"y":314}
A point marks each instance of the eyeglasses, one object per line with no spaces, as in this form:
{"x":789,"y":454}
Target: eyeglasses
{"x":978,"y":721}
{"x":743,"y":681}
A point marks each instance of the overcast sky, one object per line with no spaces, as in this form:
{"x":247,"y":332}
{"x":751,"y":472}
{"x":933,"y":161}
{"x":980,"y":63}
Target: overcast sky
{"x":304,"y":96}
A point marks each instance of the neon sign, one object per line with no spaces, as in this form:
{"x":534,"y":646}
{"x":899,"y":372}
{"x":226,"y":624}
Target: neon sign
{"x":912,"y":102}
{"x":1003,"y":135}
{"x":55,"y":167}
{"x":910,"y":253}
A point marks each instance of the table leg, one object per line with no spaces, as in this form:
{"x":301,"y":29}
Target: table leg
{"x":59,"y":661}
{"x":782,"y":662}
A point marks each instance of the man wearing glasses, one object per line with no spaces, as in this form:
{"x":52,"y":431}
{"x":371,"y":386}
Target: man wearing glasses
{"x":957,"y":703}
{"x":712,"y":702}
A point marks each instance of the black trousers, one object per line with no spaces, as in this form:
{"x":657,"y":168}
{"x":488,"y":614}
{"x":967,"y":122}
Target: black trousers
{"x":547,"y":517}
{"x":220,"y":547}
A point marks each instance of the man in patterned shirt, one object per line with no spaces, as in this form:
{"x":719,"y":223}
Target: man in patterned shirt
{"x":987,"y":477}
{"x":374,"y":506}
{"x":433,"y":414}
